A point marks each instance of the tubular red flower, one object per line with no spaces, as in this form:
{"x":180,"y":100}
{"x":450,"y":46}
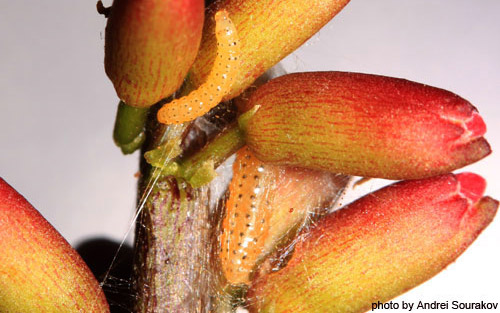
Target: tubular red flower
{"x":364,"y":125}
{"x":378,"y":247}
{"x":39,"y":270}
{"x":150,"y":46}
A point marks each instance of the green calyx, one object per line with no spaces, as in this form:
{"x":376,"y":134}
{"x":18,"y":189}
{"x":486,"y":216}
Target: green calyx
{"x":128,"y":133}
{"x":199,"y":169}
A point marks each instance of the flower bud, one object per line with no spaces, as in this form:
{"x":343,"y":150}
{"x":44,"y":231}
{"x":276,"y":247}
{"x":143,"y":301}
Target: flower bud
{"x":269,"y":30}
{"x":150,"y":46}
{"x":378,"y":247}
{"x":39,"y":270}
{"x":364,"y":125}
{"x":267,"y":204}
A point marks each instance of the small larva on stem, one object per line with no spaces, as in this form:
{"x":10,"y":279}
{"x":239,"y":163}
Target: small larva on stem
{"x":218,"y":83}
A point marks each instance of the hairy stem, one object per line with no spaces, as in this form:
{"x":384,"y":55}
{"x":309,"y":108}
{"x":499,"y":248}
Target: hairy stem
{"x":175,"y":270}
{"x":174,"y":254}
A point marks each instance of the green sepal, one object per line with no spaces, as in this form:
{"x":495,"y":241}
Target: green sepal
{"x":128,"y":132}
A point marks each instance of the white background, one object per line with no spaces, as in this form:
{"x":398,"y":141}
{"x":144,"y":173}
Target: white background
{"x":57,"y":108}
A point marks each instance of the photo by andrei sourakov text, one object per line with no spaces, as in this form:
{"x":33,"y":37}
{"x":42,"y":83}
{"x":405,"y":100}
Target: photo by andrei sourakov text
{"x":435,"y":305}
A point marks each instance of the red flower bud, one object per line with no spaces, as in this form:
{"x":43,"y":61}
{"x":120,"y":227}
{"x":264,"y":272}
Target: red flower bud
{"x":364,"y":125}
{"x":378,"y":247}
{"x":150,"y":46}
{"x":39,"y":270}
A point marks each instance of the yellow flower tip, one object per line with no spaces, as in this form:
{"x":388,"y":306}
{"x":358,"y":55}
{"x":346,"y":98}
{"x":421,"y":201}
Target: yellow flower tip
{"x":39,"y":270}
{"x":218,"y":83}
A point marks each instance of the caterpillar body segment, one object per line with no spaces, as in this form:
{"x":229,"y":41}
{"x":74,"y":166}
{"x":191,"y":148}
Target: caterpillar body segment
{"x":218,"y":83}
{"x":267,"y":204}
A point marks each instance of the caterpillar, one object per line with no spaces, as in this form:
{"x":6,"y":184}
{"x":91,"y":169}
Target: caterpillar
{"x":218,"y":82}
{"x":266,"y":204}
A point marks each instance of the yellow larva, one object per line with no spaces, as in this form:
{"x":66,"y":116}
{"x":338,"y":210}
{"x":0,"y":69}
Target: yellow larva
{"x":266,"y":203}
{"x":245,"y":225}
{"x":218,"y":82}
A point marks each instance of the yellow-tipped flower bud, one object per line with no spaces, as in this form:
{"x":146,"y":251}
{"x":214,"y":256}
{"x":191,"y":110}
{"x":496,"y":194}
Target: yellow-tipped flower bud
{"x":39,"y":270}
{"x":150,"y":46}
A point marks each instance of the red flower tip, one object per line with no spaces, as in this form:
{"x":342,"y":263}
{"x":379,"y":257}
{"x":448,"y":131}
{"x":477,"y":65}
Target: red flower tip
{"x":471,"y":124}
{"x":471,"y":186}
{"x":476,"y":125}
{"x":378,"y":246}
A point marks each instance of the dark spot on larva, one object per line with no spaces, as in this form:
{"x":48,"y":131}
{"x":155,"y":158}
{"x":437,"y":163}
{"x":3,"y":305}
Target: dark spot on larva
{"x":240,"y":196}
{"x":291,"y":210}
{"x":249,"y":224}
{"x":244,"y":257}
{"x":248,"y":215}
{"x":234,"y":252}
{"x":244,"y":176}
{"x":241,"y":235}
{"x":262,"y":221}
{"x":236,"y":214}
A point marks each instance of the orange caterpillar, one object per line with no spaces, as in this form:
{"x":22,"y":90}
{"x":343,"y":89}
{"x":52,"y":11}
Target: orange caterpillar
{"x":266,"y":203}
{"x":218,"y":82}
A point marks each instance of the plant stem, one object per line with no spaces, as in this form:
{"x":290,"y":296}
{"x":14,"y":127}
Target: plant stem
{"x":175,"y":270}
{"x":174,"y":257}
